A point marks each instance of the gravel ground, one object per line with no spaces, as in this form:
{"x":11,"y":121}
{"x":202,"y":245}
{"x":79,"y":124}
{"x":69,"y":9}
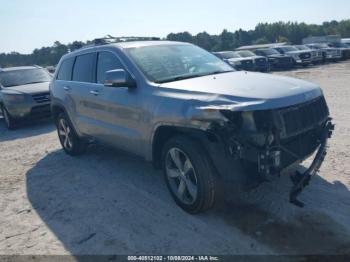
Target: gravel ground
{"x":108,"y":202}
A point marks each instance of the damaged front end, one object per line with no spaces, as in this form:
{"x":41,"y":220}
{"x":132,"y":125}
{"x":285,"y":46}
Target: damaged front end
{"x":271,"y":141}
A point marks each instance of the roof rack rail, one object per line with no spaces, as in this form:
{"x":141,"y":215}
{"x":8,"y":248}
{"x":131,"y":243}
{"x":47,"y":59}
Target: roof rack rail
{"x":111,"y":39}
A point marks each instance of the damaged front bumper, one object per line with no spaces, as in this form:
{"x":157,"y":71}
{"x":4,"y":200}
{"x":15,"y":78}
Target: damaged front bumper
{"x":301,"y":180}
{"x":268,"y":143}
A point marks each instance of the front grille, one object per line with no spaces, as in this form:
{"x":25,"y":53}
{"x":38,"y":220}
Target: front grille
{"x":300,"y":118}
{"x":305,"y":55}
{"x":261,"y":61}
{"x":285,"y":60}
{"x":42,"y":97}
{"x":247,"y":64}
{"x":302,"y":145}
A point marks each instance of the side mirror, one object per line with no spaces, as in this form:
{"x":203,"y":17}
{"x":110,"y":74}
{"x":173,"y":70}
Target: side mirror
{"x":119,"y":78}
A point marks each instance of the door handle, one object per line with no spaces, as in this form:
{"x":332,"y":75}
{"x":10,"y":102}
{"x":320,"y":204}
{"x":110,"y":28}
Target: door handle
{"x":67,"y":88}
{"x":94,"y":92}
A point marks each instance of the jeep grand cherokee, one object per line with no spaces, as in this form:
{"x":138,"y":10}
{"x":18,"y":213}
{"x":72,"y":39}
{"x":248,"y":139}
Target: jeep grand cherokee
{"x":191,"y":114}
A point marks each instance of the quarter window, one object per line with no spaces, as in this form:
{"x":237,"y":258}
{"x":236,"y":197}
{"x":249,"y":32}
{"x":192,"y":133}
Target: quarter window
{"x":65,"y":71}
{"x":106,"y":61}
{"x":83,"y":68}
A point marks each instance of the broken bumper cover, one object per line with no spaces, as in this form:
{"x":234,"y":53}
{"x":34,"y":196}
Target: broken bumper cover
{"x":301,"y":180}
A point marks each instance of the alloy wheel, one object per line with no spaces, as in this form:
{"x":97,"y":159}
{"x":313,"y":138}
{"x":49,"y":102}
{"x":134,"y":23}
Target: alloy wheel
{"x":181,"y":176}
{"x":64,"y":132}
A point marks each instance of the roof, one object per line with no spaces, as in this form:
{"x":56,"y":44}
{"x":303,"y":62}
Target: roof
{"x":132,"y":44}
{"x":255,"y":47}
{"x":8,"y":69}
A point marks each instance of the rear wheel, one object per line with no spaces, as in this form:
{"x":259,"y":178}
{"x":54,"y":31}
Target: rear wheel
{"x":10,"y":122}
{"x":70,"y":141}
{"x":189,"y":174}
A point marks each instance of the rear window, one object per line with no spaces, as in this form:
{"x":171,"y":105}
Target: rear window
{"x":65,"y":71}
{"x":83,"y":68}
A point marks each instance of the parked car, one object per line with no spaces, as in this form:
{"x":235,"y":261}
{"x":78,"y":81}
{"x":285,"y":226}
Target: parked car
{"x":24,"y":92}
{"x":238,"y":62}
{"x":330,"y":54}
{"x":276,"y":59}
{"x":191,"y":114}
{"x":317,"y":56}
{"x":345,"y":49}
{"x":261,"y":63}
{"x":300,"y":57}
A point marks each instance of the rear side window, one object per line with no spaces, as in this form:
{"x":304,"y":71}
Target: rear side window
{"x":83,"y":68}
{"x":65,"y":71}
{"x":106,"y":61}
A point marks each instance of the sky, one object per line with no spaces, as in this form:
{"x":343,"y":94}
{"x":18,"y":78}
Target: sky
{"x":29,"y":24}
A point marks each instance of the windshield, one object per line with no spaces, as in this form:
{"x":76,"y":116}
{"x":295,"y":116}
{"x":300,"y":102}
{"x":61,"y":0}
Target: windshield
{"x":269,"y":51}
{"x":166,"y":63}
{"x":24,"y":77}
{"x":288,"y":48}
{"x":227,"y":55}
{"x":246,"y":53}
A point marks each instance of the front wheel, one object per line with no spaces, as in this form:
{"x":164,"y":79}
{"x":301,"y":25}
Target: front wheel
{"x":70,"y":141}
{"x":189,"y":174}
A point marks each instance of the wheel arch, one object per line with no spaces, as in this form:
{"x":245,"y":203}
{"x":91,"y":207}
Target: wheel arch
{"x":165,"y":132}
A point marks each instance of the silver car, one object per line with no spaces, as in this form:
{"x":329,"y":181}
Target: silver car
{"x":24,"y":93}
{"x":191,"y":114}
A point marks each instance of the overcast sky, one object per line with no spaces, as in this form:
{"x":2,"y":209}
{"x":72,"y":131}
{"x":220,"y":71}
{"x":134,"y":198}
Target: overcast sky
{"x":25,"y":25}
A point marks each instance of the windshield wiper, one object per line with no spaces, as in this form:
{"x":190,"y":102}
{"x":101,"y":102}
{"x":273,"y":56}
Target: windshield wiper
{"x":177,"y":78}
{"x":35,"y":82}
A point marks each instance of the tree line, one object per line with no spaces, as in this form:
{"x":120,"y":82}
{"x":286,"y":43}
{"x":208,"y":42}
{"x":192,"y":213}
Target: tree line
{"x":292,"y":32}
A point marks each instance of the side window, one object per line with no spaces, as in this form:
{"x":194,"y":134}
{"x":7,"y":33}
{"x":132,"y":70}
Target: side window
{"x":106,"y":61}
{"x":83,"y":66}
{"x":65,"y":71}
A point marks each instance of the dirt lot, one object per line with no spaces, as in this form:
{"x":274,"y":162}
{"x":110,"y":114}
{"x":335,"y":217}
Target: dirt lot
{"x":108,"y":202}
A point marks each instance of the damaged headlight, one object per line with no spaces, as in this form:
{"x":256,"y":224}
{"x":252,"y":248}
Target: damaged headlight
{"x":251,"y":129}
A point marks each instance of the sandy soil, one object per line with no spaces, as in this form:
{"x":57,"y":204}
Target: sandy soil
{"x":109,"y":202}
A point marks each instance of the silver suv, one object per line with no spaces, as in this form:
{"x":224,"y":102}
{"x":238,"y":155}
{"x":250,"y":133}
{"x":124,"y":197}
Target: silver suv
{"x":191,"y":114}
{"x":24,"y":93}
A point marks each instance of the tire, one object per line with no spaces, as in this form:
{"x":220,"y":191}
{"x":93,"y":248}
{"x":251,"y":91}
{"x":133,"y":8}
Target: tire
{"x":193,"y":185}
{"x":10,"y":122}
{"x":71,"y":143}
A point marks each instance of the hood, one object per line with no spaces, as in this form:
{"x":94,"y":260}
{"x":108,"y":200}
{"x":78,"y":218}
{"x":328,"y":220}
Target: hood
{"x":247,"y":90}
{"x":28,"y":89}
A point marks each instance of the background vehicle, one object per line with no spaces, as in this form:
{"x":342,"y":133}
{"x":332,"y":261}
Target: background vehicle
{"x":235,"y":60}
{"x":300,"y":57}
{"x":24,"y":92}
{"x":261,"y":63}
{"x":276,"y":59}
{"x":345,"y":49}
{"x":316,"y":55}
{"x":330,"y":54}
{"x":190,"y":113}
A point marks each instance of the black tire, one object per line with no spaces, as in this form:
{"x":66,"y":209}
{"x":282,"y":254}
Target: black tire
{"x":71,"y":143}
{"x":203,"y":175}
{"x":10,"y":122}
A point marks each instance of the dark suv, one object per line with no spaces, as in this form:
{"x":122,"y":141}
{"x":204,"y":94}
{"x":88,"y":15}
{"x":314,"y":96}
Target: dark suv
{"x":191,"y":114}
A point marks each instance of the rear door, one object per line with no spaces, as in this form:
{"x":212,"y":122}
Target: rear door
{"x":83,"y":90}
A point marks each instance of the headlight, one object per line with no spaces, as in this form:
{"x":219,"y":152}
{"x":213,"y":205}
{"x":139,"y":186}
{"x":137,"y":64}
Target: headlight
{"x":14,"y":97}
